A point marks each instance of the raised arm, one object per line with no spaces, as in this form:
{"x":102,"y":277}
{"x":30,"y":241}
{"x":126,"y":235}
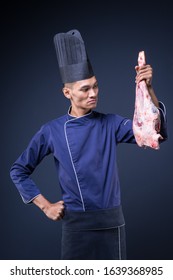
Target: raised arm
{"x":145,"y":72}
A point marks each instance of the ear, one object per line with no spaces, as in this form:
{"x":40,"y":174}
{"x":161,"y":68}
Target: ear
{"x":66,"y":92}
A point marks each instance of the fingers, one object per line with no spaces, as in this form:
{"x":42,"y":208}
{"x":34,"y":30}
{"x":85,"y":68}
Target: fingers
{"x":60,"y":205}
{"x":61,"y":202}
{"x":61,"y":215}
{"x":60,"y":210}
{"x":58,"y":215}
{"x":144,"y":73}
{"x":55,"y":211}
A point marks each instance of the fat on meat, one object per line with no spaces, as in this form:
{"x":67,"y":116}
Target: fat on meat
{"x":146,"y":119}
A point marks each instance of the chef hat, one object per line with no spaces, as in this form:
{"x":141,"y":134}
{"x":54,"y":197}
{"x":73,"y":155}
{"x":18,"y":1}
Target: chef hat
{"x":73,"y":61}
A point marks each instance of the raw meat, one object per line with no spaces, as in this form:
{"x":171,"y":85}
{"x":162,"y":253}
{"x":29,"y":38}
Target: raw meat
{"x":146,"y":120}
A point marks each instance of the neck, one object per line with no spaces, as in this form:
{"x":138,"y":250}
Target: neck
{"x":78,"y":113}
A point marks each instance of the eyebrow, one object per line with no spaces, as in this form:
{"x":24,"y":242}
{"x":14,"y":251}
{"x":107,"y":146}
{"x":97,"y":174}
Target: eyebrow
{"x":88,"y":86}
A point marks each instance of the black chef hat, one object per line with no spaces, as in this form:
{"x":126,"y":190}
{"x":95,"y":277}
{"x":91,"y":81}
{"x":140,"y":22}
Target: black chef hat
{"x":73,"y":61}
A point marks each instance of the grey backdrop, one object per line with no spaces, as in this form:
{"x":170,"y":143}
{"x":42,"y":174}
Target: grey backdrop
{"x":31,"y":95}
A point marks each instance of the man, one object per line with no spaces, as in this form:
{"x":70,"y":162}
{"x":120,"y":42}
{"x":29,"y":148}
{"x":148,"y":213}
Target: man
{"x":83,"y":143}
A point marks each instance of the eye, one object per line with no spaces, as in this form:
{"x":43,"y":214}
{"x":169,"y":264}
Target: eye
{"x":85,"y":89}
{"x":95,"y":86}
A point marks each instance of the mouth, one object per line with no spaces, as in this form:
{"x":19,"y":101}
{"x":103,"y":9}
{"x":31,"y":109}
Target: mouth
{"x":93,"y":101}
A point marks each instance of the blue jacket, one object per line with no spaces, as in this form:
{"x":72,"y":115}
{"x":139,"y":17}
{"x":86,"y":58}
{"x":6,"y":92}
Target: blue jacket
{"x":85,"y":154}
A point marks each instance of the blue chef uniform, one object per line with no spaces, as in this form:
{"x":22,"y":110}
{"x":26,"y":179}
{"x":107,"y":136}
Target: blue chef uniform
{"x":85,"y":151}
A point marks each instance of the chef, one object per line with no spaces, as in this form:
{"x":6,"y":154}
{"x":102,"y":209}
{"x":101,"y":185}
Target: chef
{"x":84,"y":145}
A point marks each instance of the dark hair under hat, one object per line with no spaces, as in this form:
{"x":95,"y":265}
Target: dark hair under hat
{"x":74,"y":64}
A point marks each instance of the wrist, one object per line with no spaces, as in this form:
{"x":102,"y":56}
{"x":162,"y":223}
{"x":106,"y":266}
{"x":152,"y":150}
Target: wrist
{"x":149,"y":86}
{"x":42,"y":203}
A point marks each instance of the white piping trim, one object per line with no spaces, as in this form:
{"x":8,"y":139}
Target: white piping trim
{"x":163,"y":110}
{"x":73,"y":163}
{"x":27,"y":202}
{"x":78,"y":117}
{"x":126,"y":122}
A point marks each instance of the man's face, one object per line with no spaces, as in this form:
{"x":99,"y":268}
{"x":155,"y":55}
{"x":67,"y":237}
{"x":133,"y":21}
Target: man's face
{"x":83,"y":95}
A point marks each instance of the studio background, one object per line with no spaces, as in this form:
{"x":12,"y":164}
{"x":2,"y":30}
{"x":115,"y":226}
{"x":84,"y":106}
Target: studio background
{"x":31,"y":95}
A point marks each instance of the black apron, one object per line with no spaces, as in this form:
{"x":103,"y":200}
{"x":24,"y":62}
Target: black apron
{"x":93,"y":235}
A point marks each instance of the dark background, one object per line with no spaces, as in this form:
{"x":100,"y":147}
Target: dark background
{"x":31,"y":95}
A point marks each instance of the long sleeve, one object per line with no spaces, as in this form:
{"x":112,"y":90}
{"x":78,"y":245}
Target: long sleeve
{"x":24,"y":166}
{"x":163,"y":129}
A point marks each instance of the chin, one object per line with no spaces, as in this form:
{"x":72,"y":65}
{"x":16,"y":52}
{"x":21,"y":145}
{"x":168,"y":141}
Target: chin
{"x":92,"y":106}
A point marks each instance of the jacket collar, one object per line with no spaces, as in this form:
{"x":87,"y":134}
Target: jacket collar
{"x":84,"y":116}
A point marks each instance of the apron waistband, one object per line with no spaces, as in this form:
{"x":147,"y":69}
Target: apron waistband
{"x":93,"y":219}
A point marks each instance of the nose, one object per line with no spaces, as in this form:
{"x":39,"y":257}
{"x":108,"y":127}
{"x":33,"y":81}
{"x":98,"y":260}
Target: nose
{"x":93,"y":93}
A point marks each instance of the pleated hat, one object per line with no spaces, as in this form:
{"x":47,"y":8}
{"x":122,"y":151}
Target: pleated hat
{"x":73,"y":61}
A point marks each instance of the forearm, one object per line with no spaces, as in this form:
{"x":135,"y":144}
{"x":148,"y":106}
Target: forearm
{"x":41,"y":202}
{"x":20,"y":175}
{"x":162,"y":110}
{"x":145,"y":73}
{"x":153,"y":96}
